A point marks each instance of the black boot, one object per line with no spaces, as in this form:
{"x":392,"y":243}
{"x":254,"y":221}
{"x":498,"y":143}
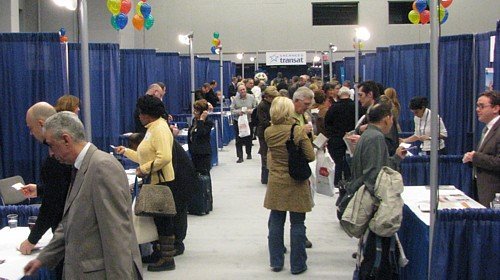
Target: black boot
{"x":264,"y":174}
{"x":167,"y":249}
{"x":155,"y":256}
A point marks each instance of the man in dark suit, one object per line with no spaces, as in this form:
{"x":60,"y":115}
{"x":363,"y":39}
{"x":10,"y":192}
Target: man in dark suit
{"x":486,"y":160}
{"x":232,"y":87}
{"x":96,"y":234}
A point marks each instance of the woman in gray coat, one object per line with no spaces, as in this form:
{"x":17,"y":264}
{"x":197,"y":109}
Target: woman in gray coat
{"x":283,"y":192}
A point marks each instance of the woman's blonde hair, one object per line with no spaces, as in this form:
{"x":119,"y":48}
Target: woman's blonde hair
{"x":282,"y":110}
{"x":393,"y":96}
{"x":67,"y":103}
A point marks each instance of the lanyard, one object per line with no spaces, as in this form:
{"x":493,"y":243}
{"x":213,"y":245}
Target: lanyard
{"x":422,"y":131}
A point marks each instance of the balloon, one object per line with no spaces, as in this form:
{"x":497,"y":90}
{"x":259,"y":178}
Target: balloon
{"x":216,"y":35}
{"x":421,"y":5}
{"x":425,"y":16}
{"x":138,"y":21}
{"x":442,"y":12}
{"x":114,"y":6}
{"x":121,"y":20}
{"x":149,"y":21}
{"x":414,"y":6}
{"x":145,"y":10}
{"x":212,"y":49}
{"x":63,"y":39}
{"x":138,"y":8}
{"x":414,"y":17}
{"x":62,"y":31}
{"x":445,"y":17}
{"x":215,"y":41}
{"x":126,"y":6}
{"x":113,"y":22}
{"x":446,"y":3}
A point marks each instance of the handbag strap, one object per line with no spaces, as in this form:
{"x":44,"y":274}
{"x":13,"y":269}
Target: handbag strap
{"x":136,"y":188}
{"x":291,"y":133}
{"x":159,"y":172}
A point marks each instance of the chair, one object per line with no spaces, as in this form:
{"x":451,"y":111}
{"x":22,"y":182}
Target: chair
{"x":8,"y":194}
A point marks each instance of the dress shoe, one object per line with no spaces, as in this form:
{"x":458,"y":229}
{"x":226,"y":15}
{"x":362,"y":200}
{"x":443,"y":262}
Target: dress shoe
{"x":240,"y":160}
{"x":308,"y":244}
{"x":277,"y":269}
{"x":299,"y":271}
{"x":249,"y":156}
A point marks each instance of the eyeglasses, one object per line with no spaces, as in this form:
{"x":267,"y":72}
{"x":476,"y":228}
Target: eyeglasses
{"x":482,"y":106}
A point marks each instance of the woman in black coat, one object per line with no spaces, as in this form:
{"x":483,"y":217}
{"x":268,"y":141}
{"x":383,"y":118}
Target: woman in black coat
{"x":199,"y":138}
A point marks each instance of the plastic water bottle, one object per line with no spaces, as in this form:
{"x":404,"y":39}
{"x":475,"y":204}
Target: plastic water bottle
{"x":495,"y":204}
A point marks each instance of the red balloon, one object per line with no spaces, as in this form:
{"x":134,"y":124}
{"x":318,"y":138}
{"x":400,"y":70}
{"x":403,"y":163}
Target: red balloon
{"x":425,"y":16}
{"x":446,"y":3}
{"x":126,"y":6}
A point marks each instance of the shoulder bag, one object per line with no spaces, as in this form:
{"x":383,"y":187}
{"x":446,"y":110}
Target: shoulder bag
{"x":155,"y":200}
{"x":298,"y":166}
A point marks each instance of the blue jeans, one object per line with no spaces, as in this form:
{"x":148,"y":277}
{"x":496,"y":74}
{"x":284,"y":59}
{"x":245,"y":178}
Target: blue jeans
{"x":298,"y":255}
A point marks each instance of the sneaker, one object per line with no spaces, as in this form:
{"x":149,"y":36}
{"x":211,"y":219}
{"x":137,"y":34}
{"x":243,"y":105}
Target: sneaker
{"x":277,"y":269}
{"x":240,"y":160}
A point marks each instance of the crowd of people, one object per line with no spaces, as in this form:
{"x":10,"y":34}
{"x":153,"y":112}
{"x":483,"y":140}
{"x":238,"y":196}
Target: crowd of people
{"x":80,"y":180}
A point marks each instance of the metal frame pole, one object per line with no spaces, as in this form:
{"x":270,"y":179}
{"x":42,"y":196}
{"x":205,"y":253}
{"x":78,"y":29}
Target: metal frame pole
{"x":221,"y":69}
{"x":434,"y":87}
{"x":84,"y":55}
{"x":191,"y":58}
{"x":356,"y":78}
{"x":331,"y":65}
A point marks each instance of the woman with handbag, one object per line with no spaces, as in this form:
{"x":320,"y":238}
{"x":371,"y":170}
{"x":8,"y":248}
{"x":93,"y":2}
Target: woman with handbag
{"x":199,"y":138}
{"x":154,"y":156}
{"x":284,"y":193}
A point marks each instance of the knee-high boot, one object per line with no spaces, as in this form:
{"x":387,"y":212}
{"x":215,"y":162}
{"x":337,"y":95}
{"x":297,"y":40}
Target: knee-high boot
{"x":167,"y":250}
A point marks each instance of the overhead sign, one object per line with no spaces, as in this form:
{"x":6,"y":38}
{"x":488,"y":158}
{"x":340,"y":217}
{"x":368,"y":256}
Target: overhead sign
{"x":285,"y":58}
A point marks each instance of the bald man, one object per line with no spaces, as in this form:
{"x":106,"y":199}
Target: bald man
{"x":55,"y":178}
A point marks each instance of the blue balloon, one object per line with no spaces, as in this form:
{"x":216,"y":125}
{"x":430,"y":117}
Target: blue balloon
{"x":213,"y":49}
{"x":421,"y":5}
{"x":121,"y":20}
{"x":445,"y":18}
{"x":62,"y":31}
{"x":145,"y":9}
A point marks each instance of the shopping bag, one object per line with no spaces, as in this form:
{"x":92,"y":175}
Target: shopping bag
{"x":243,"y":126}
{"x":325,"y":173}
{"x":145,"y":228}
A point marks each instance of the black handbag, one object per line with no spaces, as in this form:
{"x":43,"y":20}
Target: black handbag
{"x":155,"y":200}
{"x":298,"y":166}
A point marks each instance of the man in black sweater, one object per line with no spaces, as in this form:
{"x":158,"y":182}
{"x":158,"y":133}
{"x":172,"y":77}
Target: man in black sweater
{"x":55,"y":177}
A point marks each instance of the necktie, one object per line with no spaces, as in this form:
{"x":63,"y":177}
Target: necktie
{"x":73,"y":175}
{"x":483,"y":134}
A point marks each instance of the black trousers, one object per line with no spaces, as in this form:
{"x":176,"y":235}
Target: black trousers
{"x":202,"y":163}
{"x":242,"y":141}
{"x":341,"y":166}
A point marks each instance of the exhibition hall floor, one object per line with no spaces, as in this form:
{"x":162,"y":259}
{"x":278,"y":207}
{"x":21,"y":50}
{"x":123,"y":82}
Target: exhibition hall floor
{"x":231,"y":242}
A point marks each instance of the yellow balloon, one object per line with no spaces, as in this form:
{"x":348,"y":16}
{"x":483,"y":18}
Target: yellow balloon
{"x":215,"y":42}
{"x":138,"y":8}
{"x":414,"y":17}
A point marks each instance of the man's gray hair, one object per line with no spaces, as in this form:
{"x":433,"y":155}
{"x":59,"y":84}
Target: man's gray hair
{"x":65,"y":122}
{"x":302,"y":93}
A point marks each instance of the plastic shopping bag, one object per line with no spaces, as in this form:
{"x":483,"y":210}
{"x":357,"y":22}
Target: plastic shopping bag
{"x":243,"y":126}
{"x":325,"y":173}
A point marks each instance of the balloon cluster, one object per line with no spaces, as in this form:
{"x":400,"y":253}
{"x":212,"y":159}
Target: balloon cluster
{"x":420,"y":14}
{"x":62,"y":35}
{"x":217,"y":44}
{"x":143,"y":16}
{"x":119,"y":10}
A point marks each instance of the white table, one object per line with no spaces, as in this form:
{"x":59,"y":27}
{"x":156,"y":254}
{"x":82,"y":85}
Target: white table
{"x":417,"y":197}
{"x":10,"y":239}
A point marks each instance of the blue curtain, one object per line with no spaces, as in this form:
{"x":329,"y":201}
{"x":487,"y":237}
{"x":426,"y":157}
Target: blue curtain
{"x":105,"y":97}
{"x":382,"y":66}
{"x":337,"y":70}
{"x":228,"y":73}
{"x":30,"y":71}
{"x":200,"y":71}
{"x":415,"y":172}
{"x":168,"y":71}
{"x":482,"y":58}
{"x":213,"y":72}
{"x":466,"y":244}
{"x":409,"y":75}
{"x":370,"y":66}
{"x":137,"y":69}
{"x":414,"y":236}
{"x":349,"y":68}
{"x":23,"y":212}
{"x":185,"y":83}
{"x":496,"y":63}
{"x":455,"y":91}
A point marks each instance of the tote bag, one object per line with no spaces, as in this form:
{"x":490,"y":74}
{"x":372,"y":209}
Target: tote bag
{"x":243,"y":126}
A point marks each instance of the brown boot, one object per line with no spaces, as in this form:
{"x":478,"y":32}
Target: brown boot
{"x":167,"y":250}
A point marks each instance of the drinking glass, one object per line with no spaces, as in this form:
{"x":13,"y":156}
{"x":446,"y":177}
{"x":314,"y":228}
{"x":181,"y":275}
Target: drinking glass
{"x":12,"y":220}
{"x":32,"y":221}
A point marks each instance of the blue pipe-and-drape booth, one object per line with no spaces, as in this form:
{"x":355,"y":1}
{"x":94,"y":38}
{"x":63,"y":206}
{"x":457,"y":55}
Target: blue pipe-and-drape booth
{"x":200,"y":71}
{"x":382,"y":65}
{"x":370,"y":66}
{"x":415,"y":172}
{"x":168,"y":71}
{"x":229,"y":71}
{"x":349,"y":68}
{"x":185,"y":83}
{"x":482,"y":58}
{"x":466,"y":244}
{"x":137,"y":72}
{"x":30,"y":72}
{"x":496,"y":63}
{"x":105,"y":96}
